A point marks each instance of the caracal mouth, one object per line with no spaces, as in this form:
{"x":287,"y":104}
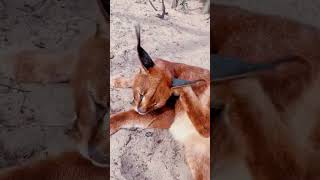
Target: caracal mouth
{"x":142,"y":113}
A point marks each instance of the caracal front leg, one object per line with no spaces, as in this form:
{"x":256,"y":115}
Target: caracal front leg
{"x":162,"y":119}
{"x":197,"y":108}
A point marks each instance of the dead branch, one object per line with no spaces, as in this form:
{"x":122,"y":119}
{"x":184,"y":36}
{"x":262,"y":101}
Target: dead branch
{"x":206,"y":7}
{"x":14,"y":88}
{"x":104,"y":8}
{"x":163,"y":11}
{"x":153,"y":6}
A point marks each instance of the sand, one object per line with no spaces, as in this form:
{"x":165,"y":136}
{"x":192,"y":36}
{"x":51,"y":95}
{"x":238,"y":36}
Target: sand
{"x":33,"y":124}
{"x":183,"y":36}
{"x":180,"y":38}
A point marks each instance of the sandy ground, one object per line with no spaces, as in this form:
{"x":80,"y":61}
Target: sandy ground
{"x":180,"y":38}
{"x":183,"y":36}
{"x":33,"y":124}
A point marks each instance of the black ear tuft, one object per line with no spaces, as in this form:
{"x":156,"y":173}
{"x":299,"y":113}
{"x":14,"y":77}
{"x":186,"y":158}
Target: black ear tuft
{"x":181,"y":82}
{"x":144,"y":57}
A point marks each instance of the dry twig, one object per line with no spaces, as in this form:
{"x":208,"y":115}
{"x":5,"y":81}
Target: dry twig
{"x":153,"y":6}
{"x":18,"y":89}
{"x":161,"y":16}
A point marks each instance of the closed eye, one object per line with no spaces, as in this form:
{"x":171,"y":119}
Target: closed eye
{"x":155,"y":104}
{"x":141,"y":96}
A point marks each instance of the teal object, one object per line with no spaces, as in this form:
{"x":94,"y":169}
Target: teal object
{"x":222,"y":67}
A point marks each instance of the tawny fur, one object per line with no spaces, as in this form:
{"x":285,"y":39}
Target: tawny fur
{"x":42,"y":66}
{"x":280,"y":91}
{"x":270,"y":125}
{"x":264,"y":142}
{"x":188,"y":120}
{"x":90,"y":90}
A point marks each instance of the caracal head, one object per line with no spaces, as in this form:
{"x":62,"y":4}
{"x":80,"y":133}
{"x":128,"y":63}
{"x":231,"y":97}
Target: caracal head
{"x":154,"y":84}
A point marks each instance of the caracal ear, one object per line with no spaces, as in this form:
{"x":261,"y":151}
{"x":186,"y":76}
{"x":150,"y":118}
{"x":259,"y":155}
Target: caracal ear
{"x":178,"y":83}
{"x":229,"y":68}
{"x":144,"y":57}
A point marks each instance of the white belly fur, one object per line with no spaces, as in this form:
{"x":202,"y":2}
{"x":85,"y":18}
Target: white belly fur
{"x":183,"y":131}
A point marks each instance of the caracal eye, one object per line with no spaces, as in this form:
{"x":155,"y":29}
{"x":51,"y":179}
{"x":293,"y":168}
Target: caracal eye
{"x":141,"y":96}
{"x":156,"y":104}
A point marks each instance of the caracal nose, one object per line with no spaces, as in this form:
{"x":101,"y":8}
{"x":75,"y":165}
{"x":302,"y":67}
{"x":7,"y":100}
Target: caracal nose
{"x":141,"y":110}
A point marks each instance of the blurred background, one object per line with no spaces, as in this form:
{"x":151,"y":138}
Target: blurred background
{"x":34,"y":117}
{"x":181,"y":34}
